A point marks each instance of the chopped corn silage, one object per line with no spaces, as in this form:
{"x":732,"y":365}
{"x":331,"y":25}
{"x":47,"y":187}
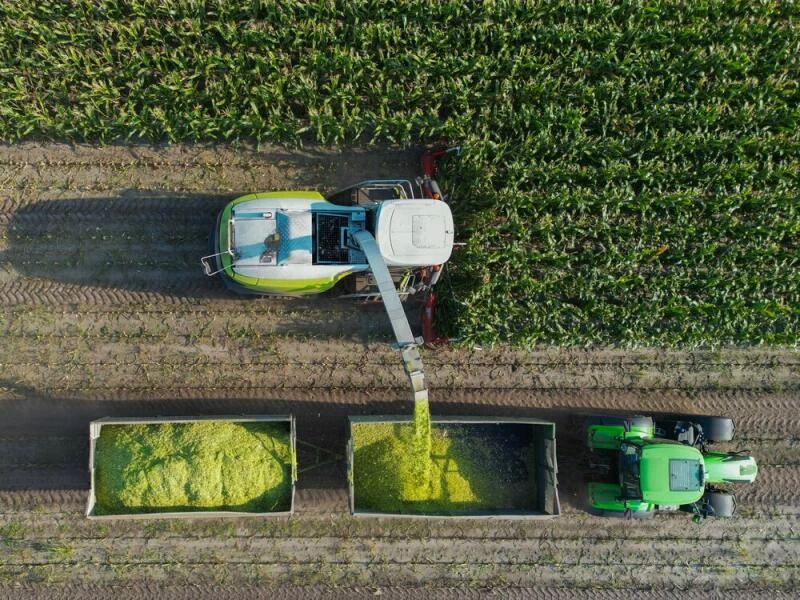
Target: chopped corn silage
{"x":241,"y":466}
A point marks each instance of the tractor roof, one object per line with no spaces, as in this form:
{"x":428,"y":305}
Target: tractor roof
{"x":671,"y":473}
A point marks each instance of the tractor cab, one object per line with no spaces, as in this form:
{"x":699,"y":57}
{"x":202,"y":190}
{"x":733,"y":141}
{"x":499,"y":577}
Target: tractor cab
{"x":661,"y":472}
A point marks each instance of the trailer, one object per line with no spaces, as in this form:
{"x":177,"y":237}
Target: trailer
{"x":180,"y":467}
{"x":481,"y":468}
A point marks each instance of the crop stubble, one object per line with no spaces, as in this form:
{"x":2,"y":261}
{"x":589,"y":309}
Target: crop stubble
{"x":158,"y":338}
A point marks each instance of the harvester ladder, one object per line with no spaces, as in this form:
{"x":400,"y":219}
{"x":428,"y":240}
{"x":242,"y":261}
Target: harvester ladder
{"x":407,"y":343}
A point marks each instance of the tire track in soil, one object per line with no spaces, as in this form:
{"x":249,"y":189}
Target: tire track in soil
{"x":273,"y":361}
{"x":571,"y":530}
{"x":65,"y":413}
{"x":336,"y":573}
{"x":37,"y":521}
{"x":49,"y":293}
{"x":493,"y":552}
{"x":60,"y":168}
{"x":775,"y":486}
{"x":139,"y":591}
{"x":532,"y":551}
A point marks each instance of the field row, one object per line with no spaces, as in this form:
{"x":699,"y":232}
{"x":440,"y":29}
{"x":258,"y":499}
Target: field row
{"x":228,"y":591}
{"x":578,"y":551}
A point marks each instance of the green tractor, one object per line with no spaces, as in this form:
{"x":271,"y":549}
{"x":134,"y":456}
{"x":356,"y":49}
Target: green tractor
{"x":665,"y":465}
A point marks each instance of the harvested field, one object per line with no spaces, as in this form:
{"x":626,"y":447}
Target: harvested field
{"x":104,"y":311}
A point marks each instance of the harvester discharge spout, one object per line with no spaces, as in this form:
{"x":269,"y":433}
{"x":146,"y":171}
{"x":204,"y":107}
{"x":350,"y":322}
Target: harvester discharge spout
{"x":406,"y":342}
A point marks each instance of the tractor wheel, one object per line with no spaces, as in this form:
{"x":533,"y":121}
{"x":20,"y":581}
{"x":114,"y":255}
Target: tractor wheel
{"x":635,"y":421}
{"x":720,"y":504}
{"x":715,"y":429}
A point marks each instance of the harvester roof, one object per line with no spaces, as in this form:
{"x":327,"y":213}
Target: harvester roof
{"x":414,"y":232}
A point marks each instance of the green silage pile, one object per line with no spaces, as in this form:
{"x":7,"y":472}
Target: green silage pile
{"x":470,"y":468}
{"x":193,"y":467}
{"x":421,"y":451}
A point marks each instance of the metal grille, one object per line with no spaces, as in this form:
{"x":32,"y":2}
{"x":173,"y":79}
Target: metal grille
{"x":295,"y":230}
{"x":329,"y":239}
{"x":685,"y":475}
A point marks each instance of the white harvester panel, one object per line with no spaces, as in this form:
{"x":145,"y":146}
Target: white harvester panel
{"x":414,"y":233}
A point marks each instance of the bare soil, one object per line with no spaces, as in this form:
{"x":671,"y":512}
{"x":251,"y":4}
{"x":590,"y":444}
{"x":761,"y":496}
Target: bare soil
{"x":104,"y":311}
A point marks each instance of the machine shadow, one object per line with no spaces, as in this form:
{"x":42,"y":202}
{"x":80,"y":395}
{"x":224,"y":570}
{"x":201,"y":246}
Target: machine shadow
{"x":151,"y":241}
{"x":143,"y":242}
{"x":138,"y":241}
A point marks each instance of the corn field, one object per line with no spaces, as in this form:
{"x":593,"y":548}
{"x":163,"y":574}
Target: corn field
{"x":629,"y":174}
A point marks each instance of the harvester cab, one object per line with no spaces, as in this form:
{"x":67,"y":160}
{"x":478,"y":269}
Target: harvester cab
{"x":665,"y":465}
{"x":412,"y":227}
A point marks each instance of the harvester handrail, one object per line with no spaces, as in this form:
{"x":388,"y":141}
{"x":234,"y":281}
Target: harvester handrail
{"x":205,"y":259}
{"x":405,"y":185}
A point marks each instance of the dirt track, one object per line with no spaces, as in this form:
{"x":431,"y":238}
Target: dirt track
{"x":105,"y":311}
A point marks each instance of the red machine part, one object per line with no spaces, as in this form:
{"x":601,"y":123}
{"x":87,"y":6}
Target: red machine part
{"x":428,"y":334}
{"x":429,"y":158}
{"x":430,"y":189}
